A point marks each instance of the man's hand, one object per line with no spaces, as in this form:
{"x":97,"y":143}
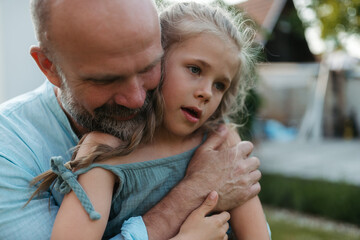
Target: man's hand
{"x":223,"y":164}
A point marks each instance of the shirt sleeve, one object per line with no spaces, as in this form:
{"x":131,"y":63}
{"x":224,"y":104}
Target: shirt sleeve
{"x":268,"y":227}
{"x":133,"y":229}
{"x":34,"y":221}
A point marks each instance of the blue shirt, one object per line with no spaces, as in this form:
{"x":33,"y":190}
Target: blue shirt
{"x":33,"y":128}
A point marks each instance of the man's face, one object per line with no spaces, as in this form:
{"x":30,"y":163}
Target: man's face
{"x":107,"y":74}
{"x":104,"y":118}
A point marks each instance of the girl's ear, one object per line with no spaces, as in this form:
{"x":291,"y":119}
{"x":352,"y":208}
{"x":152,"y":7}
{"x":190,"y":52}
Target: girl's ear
{"x":45,"y":65}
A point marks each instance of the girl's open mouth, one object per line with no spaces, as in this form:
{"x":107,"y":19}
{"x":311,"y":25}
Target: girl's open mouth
{"x":192,"y":114}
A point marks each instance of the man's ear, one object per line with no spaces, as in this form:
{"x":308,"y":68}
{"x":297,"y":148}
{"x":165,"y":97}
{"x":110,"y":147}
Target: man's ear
{"x":45,"y":65}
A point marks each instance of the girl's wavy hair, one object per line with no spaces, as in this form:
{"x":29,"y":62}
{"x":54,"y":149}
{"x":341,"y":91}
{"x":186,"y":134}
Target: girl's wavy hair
{"x":180,"y":22}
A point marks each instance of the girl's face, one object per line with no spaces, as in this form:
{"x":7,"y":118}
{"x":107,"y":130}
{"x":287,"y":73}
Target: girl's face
{"x":198,"y":72}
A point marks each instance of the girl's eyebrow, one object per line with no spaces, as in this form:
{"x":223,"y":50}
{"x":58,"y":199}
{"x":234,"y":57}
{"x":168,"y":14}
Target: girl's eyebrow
{"x":207,"y":65}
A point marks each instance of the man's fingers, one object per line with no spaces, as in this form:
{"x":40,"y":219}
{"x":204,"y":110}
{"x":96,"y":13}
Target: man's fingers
{"x":255,"y":176}
{"x":244,"y":148}
{"x":253,"y":169}
{"x":254,"y":163}
{"x":215,"y":140}
{"x":255,"y":189}
{"x":209,"y":204}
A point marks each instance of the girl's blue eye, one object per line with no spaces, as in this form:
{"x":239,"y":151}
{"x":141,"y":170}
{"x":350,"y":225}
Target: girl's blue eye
{"x":194,"y":70}
{"x":219,"y":86}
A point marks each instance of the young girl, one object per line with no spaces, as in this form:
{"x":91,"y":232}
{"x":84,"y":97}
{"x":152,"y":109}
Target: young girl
{"x":207,"y":69}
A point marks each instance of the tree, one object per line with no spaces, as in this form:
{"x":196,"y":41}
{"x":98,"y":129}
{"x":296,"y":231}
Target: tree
{"x":338,"y":19}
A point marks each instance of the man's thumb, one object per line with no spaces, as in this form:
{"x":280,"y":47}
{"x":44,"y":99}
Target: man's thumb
{"x":210,"y":202}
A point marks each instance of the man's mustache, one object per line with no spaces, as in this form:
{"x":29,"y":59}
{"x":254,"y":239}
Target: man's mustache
{"x":108,"y":110}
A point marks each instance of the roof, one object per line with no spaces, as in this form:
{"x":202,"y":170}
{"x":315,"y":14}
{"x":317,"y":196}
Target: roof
{"x":264,"y":12}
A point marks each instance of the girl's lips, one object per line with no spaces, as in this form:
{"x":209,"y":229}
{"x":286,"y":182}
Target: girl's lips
{"x":192,"y":114}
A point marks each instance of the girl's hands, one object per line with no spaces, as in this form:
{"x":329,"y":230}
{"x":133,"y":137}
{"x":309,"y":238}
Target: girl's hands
{"x":199,"y":226}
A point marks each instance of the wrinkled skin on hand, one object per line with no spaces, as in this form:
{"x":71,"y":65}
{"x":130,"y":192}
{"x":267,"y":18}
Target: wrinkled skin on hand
{"x":223,"y":164}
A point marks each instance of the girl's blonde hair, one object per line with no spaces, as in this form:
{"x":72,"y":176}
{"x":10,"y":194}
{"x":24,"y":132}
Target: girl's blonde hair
{"x":180,"y":22}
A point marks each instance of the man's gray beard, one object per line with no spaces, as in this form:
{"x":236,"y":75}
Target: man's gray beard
{"x":103,"y":119}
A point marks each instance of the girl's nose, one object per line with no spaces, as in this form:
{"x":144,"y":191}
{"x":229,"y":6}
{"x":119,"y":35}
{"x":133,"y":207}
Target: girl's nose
{"x":204,"y":93}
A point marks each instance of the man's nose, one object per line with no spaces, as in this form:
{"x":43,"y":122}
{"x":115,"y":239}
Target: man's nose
{"x":131,"y":95}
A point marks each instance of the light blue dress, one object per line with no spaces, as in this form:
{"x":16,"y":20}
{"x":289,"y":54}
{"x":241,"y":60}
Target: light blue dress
{"x":141,"y":186}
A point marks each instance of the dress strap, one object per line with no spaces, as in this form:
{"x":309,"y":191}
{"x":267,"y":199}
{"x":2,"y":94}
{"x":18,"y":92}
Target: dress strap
{"x":67,"y":181}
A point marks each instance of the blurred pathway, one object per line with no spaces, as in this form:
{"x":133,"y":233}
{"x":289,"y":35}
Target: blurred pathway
{"x":333,"y":160}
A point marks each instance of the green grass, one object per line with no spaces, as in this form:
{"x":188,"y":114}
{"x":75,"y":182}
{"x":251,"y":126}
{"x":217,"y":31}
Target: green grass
{"x":338,"y":201}
{"x":282,"y":230}
{"x":296,"y":227}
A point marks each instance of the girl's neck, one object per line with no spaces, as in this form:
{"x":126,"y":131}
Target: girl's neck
{"x":163,"y":145}
{"x":171,"y":144}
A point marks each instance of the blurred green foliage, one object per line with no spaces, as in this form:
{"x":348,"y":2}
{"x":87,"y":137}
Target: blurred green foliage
{"x":246,"y":118}
{"x":285,"y":230}
{"x":337,"y":16}
{"x":338,"y":201}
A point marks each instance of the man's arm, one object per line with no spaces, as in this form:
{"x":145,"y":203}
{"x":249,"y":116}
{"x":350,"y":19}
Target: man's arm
{"x":16,"y":222}
{"x":228,"y":170}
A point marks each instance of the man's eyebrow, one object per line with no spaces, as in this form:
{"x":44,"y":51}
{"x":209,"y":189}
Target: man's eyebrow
{"x":104,"y":78}
{"x":153,"y":64}
{"x":115,"y":77}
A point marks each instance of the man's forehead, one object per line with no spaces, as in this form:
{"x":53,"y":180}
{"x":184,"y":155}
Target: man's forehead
{"x":104,"y":9}
{"x":101,"y":19}
{"x":79,"y":36}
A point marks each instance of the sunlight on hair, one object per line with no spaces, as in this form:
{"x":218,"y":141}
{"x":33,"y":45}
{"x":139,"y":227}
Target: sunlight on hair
{"x":229,"y":2}
{"x":199,"y":1}
{"x":232,"y":2}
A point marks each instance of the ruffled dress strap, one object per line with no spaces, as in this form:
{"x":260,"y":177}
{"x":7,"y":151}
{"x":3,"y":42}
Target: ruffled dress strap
{"x":67,"y":180}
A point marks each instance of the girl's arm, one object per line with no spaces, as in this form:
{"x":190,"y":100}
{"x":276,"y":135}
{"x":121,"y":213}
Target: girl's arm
{"x":72,"y":221}
{"x":248,"y":221}
{"x":201,"y":227}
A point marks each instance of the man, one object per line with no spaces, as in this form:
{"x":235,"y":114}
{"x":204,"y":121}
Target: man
{"x":101,"y":59}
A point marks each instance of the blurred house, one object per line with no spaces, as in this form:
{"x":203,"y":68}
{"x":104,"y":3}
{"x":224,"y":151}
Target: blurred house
{"x":18,"y":71}
{"x":296,"y":90}
{"x":310,"y":108}
{"x":280,"y":30}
